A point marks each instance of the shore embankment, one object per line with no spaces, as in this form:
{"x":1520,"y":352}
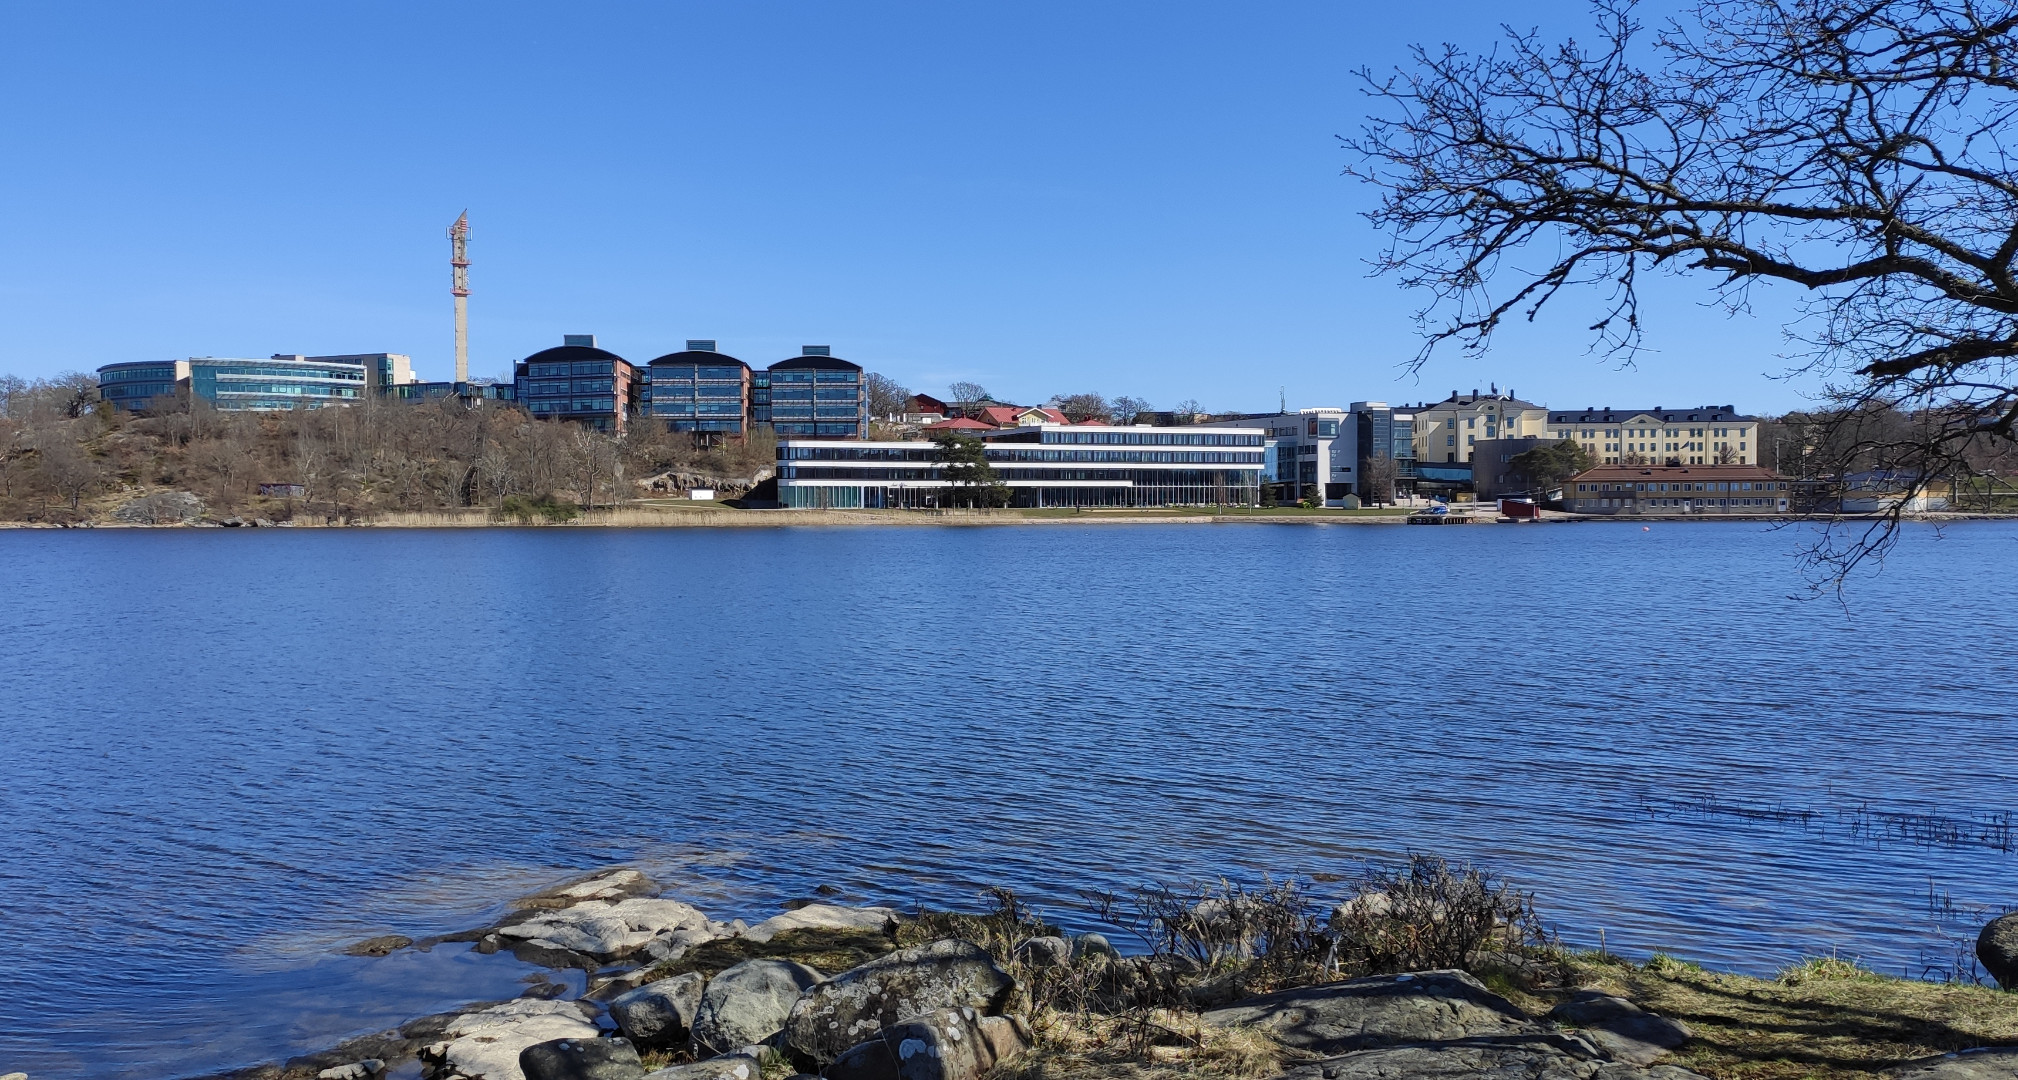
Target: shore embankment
{"x":673,"y":515}
{"x":1429,"y":972}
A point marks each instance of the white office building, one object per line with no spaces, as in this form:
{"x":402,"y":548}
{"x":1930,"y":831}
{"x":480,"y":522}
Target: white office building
{"x":1043,"y":465}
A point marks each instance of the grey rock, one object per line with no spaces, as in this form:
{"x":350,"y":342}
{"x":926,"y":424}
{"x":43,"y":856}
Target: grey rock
{"x":1997,"y":949}
{"x":824,"y":917}
{"x":660,"y":1013}
{"x":581,"y":1059}
{"x":1620,"y":1028}
{"x":1513,"y":1059}
{"x":749,"y":1003}
{"x":382,"y":945}
{"x":954,"y":1044}
{"x":487,"y":1042}
{"x":871,"y":1060}
{"x":732,"y":1067}
{"x":854,"y":1005}
{"x":160,"y":508}
{"x":368,"y":1069}
{"x":1988,"y":1063}
{"x":609,"y":885}
{"x":1383,"y":1010}
{"x":1047,"y":951}
{"x":1093,"y":945}
{"x":609,"y":931}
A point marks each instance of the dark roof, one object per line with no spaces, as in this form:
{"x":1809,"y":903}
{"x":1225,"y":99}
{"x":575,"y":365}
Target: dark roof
{"x":830,"y":363}
{"x":571,"y":353}
{"x":697,"y":356}
{"x":1697,"y":414}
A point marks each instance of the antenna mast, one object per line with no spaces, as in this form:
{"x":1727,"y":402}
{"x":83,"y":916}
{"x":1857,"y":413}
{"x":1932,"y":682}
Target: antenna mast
{"x":458,"y":237}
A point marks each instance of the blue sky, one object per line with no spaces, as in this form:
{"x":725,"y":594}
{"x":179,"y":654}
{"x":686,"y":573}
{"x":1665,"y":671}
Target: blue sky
{"x":1043,"y":198}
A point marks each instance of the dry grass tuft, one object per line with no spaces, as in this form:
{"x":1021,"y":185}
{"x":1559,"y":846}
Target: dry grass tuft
{"x":1825,"y":1018}
{"x":1148,"y":1044}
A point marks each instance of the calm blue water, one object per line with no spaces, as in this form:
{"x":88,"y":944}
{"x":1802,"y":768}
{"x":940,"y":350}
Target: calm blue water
{"x":229,"y":753}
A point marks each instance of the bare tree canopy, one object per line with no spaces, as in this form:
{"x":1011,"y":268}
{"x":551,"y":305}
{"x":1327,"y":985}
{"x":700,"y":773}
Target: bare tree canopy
{"x":888,"y":398}
{"x":1854,"y":150}
{"x":1080,"y":408}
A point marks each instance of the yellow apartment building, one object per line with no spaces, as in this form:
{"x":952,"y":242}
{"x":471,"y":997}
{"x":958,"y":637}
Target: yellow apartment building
{"x":1704,"y":435}
{"x":1447,"y":430}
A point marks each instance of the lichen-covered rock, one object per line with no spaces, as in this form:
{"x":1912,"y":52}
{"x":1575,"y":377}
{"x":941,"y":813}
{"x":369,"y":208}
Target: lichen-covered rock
{"x":954,"y":1044}
{"x":1046,"y":951}
{"x":732,"y":1067}
{"x":660,"y":1013}
{"x":582,"y":1059}
{"x":487,"y":1043}
{"x":748,"y":1003}
{"x":853,"y":1006}
{"x":1997,"y":949}
{"x":1620,"y":1028}
{"x":824,"y":917}
{"x":1383,"y":1010}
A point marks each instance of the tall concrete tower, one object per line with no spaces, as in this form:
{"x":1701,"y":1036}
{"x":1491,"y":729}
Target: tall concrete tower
{"x":458,"y":238}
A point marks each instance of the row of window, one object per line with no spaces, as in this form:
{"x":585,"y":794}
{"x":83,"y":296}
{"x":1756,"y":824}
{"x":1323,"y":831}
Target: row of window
{"x":803,"y":375}
{"x":1620,"y":504}
{"x":585,"y":367}
{"x":165,"y":371}
{"x":662,"y":373}
{"x":566,"y":405}
{"x":691,"y":408}
{"x":551,"y":387}
{"x":807,"y":393}
{"x":1650,"y":433}
{"x":1694,"y":485}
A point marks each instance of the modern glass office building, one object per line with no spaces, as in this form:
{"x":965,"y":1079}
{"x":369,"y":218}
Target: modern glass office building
{"x":578,"y":381}
{"x":279,"y":382}
{"x":700,"y":390}
{"x":818,"y":394}
{"x":1044,"y":465}
{"x":139,"y":385}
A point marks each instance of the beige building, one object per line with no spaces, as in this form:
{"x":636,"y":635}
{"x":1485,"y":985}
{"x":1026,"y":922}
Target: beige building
{"x":1704,"y":435}
{"x":1446,"y":431}
{"x":1705,"y":489}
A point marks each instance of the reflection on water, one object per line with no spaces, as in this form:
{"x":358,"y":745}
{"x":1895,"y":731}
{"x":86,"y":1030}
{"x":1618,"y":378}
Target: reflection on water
{"x":234,"y":752}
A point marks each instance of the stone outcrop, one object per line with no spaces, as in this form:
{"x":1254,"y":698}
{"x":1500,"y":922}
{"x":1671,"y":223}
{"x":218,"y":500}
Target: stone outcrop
{"x":1525,"y":1058}
{"x":954,"y":1044}
{"x":748,"y":1004}
{"x":582,"y":1059}
{"x":161,"y":508}
{"x":824,"y":917}
{"x":1620,"y":1028}
{"x":660,"y":1013}
{"x":609,"y":885}
{"x":1383,"y":1010}
{"x":848,"y":1009}
{"x":729,"y":1067}
{"x":382,"y":945}
{"x":1989,"y":1063}
{"x":1997,"y":950}
{"x":612,"y":931}
{"x":485,"y":1045}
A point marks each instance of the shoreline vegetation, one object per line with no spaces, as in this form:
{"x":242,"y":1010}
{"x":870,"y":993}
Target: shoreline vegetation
{"x":1424,"y":970}
{"x":186,"y":513}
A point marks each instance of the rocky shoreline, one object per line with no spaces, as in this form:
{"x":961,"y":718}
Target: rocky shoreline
{"x":866,"y":993}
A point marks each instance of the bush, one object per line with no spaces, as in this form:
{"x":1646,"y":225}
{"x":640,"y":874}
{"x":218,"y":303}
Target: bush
{"x":1429,"y":914}
{"x":546,"y":508}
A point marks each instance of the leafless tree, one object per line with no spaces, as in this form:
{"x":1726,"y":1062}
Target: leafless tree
{"x":1080,"y":408}
{"x":888,"y":399}
{"x":1852,"y":150}
{"x":1126,"y":409}
{"x":967,"y":396}
{"x":65,"y":466}
{"x":1377,"y":477}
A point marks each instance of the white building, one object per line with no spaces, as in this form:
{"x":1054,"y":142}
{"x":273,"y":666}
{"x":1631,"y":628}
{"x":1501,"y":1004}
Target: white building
{"x":1043,"y":465}
{"x":1704,"y":435}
